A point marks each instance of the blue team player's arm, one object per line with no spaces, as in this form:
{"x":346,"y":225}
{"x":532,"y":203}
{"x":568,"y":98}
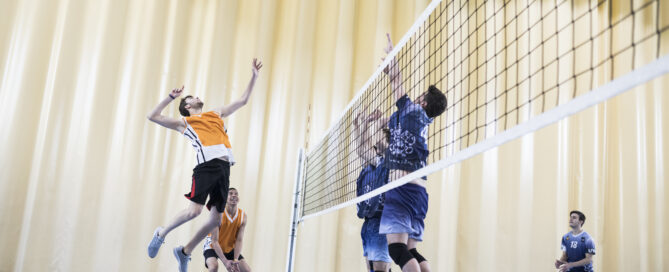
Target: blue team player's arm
{"x":393,"y":71}
{"x":364,"y":147}
{"x":411,"y":112}
{"x":582,"y":262}
{"x":563,"y":259}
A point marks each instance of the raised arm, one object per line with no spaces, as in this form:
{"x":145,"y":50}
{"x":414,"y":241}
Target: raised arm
{"x":171,"y":123}
{"x":234,"y":106}
{"x":393,"y":71}
{"x":360,"y":147}
{"x":361,"y":126}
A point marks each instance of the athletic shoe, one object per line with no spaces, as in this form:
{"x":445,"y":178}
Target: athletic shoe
{"x":182,"y":258}
{"x":155,"y":243}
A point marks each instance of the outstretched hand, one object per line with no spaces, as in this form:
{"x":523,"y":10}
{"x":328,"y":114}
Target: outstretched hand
{"x":356,"y":121}
{"x":387,"y":49}
{"x":389,"y":46}
{"x":375,"y":115}
{"x":256,"y":66}
{"x":176,"y":92}
{"x":360,"y":117}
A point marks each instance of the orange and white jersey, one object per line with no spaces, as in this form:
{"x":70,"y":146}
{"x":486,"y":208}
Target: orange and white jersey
{"x":208,"y":136}
{"x":227,"y":232}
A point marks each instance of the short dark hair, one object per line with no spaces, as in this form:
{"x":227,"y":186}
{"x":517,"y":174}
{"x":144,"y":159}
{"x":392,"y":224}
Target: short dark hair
{"x":581,"y":216}
{"x":182,"y":106}
{"x":233,"y":188}
{"x":435,"y":102}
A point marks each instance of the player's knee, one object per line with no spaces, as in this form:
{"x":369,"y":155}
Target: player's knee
{"x":212,"y":264}
{"x":417,"y":255}
{"x":213,"y":222}
{"x":380,"y":266}
{"x":400,"y":254}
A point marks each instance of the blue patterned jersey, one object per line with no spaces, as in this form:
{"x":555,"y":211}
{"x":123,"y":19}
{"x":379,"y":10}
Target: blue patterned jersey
{"x":407,"y":149}
{"x":370,"y":178}
{"x":576,"y":247}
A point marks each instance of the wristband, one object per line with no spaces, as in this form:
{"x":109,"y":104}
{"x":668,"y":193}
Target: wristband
{"x":170,"y":95}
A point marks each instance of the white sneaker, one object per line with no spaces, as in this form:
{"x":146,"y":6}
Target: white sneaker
{"x":182,"y":258}
{"x":155,"y":243}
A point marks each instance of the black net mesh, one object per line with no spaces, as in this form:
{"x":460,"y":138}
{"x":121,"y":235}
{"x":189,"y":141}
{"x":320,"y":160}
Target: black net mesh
{"x":499,"y":63}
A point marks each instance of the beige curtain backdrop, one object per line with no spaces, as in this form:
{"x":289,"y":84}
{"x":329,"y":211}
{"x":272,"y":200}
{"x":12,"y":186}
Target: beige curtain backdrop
{"x":85,"y":178}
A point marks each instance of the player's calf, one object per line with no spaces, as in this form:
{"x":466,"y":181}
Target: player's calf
{"x":417,"y":255}
{"x":422,"y":262}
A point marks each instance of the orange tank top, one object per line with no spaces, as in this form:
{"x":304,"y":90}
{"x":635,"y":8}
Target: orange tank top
{"x":227,"y":232}
{"x":208,"y":136}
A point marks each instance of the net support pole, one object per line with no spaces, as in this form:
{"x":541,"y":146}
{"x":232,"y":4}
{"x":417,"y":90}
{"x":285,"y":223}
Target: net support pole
{"x":294,"y":217}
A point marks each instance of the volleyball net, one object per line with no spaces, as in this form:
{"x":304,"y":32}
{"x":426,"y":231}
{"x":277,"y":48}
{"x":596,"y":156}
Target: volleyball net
{"x":507,"y":68}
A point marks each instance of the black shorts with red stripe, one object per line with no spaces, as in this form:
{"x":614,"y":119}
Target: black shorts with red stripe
{"x":211,"y":178}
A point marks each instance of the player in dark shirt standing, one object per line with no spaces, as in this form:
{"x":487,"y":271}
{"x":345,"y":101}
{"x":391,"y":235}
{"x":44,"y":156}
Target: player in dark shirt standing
{"x":577,"y":247}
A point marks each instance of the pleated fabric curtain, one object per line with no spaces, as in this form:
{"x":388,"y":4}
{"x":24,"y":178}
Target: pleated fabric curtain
{"x":85,"y":178}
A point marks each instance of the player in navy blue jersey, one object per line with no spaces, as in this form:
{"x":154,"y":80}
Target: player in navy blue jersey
{"x":577,"y":247}
{"x":371,"y":147}
{"x":405,"y":207}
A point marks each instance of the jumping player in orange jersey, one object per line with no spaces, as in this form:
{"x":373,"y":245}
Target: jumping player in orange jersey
{"x":228,"y":239}
{"x":208,"y":135}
